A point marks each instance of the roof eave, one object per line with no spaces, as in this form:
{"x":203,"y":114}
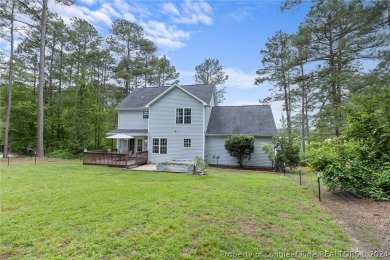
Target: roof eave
{"x":168,"y":90}
{"x":256,"y":135}
{"x":132,"y":108}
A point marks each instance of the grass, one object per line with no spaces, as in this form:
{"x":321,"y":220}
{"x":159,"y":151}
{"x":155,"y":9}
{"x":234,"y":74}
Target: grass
{"x":67,"y":210}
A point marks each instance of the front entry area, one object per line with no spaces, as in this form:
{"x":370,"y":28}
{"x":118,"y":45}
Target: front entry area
{"x":137,"y":144}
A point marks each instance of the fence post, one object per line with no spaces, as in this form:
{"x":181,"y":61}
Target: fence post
{"x":300,"y":177}
{"x":319,"y":187}
{"x":35,"y":158}
{"x":8,"y":161}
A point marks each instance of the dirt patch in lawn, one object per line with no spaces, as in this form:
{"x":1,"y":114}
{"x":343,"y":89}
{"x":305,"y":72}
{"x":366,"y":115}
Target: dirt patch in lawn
{"x":367,"y":222}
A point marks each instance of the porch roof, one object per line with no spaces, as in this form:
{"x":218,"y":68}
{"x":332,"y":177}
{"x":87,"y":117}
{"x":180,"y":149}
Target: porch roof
{"x":132,"y":132}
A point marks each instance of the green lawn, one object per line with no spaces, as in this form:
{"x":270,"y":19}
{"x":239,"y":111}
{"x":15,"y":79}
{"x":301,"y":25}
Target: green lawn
{"x":64,"y":209}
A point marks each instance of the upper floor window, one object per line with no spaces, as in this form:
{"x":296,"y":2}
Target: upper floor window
{"x":145,"y":114}
{"x":183,"y":115}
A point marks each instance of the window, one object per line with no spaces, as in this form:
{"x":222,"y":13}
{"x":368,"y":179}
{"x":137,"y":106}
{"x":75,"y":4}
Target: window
{"x":163,"y":145}
{"x":187,"y":115}
{"x":179,"y":116}
{"x":183,"y":115}
{"x":156,"y":145}
{"x":140,"y":143}
{"x":145,"y":114}
{"x":160,"y":145}
{"x":187,"y":142}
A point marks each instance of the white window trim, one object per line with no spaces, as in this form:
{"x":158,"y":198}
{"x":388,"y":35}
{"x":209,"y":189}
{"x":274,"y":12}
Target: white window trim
{"x":183,"y":115}
{"x":143,"y":114}
{"x":159,"y":145}
{"x":184,"y":143}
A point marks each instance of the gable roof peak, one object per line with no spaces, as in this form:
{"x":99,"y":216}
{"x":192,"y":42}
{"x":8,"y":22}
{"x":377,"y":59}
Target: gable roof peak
{"x":140,"y":97}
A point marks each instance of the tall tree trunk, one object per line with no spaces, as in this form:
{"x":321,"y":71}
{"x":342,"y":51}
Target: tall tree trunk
{"x":10,"y":83}
{"x":60,"y":70}
{"x":303,"y":94}
{"x":40,"y":126}
{"x":307,"y":119}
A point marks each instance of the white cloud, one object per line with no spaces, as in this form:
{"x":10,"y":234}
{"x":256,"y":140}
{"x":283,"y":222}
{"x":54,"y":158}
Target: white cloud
{"x":191,"y":12}
{"x":106,"y":8}
{"x":170,"y":8}
{"x":240,"y":79}
{"x":97,"y":16}
{"x":169,"y":43}
{"x":122,"y":5}
{"x":163,"y":35}
{"x":130,"y":17}
{"x":69,"y":12}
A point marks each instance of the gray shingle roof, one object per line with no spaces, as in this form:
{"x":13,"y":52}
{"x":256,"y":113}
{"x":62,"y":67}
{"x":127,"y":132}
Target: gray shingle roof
{"x":252,"y":120}
{"x":140,"y":97}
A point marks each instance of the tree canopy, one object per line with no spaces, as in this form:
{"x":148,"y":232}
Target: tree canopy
{"x":78,"y":78}
{"x":211,"y":72}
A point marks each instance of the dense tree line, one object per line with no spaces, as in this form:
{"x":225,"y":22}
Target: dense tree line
{"x":321,"y":75}
{"x":64,"y":81}
{"x":317,"y":70}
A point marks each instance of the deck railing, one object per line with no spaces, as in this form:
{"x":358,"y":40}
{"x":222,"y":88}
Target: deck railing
{"x":114,"y":159}
{"x":141,"y":158}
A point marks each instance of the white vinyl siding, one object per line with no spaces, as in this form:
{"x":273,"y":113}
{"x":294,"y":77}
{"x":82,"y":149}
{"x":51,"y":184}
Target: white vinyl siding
{"x":131,"y":119}
{"x":215,"y":147}
{"x":162,"y":123}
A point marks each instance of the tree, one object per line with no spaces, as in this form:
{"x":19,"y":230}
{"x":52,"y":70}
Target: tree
{"x":241,"y":147}
{"x":287,"y":153}
{"x":145,"y":57}
{"x":163,"y":73}
{"x":39,"y":11}
{"x":342,"y":35}
{"x":7,"y":15}
{"x":301,"y":55}
{"x":277,"y":69}
{"x":211,"y":72}
{"x":359,"y":160}
{"x":125,"y":42}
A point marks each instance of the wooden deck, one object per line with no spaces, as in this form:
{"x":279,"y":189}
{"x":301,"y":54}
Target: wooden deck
{"x":114,"y":159}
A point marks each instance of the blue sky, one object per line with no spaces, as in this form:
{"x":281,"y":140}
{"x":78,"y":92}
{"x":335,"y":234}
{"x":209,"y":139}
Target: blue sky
{"x":190,"y":31}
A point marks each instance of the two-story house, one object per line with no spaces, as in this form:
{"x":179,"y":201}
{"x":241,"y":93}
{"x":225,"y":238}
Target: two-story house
{"x":182,"y":122}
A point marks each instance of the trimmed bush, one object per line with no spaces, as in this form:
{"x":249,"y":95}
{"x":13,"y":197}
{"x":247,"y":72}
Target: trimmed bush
{"x":241,"y":147}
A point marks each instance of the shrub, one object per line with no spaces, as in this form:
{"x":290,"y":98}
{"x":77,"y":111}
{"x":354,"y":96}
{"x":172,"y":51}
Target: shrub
{"x":287,"y":152}
{"x":359,"y":160}
{"x":200,"y":166}
{"x":241,"y":147}
{"x":61,"y":154}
